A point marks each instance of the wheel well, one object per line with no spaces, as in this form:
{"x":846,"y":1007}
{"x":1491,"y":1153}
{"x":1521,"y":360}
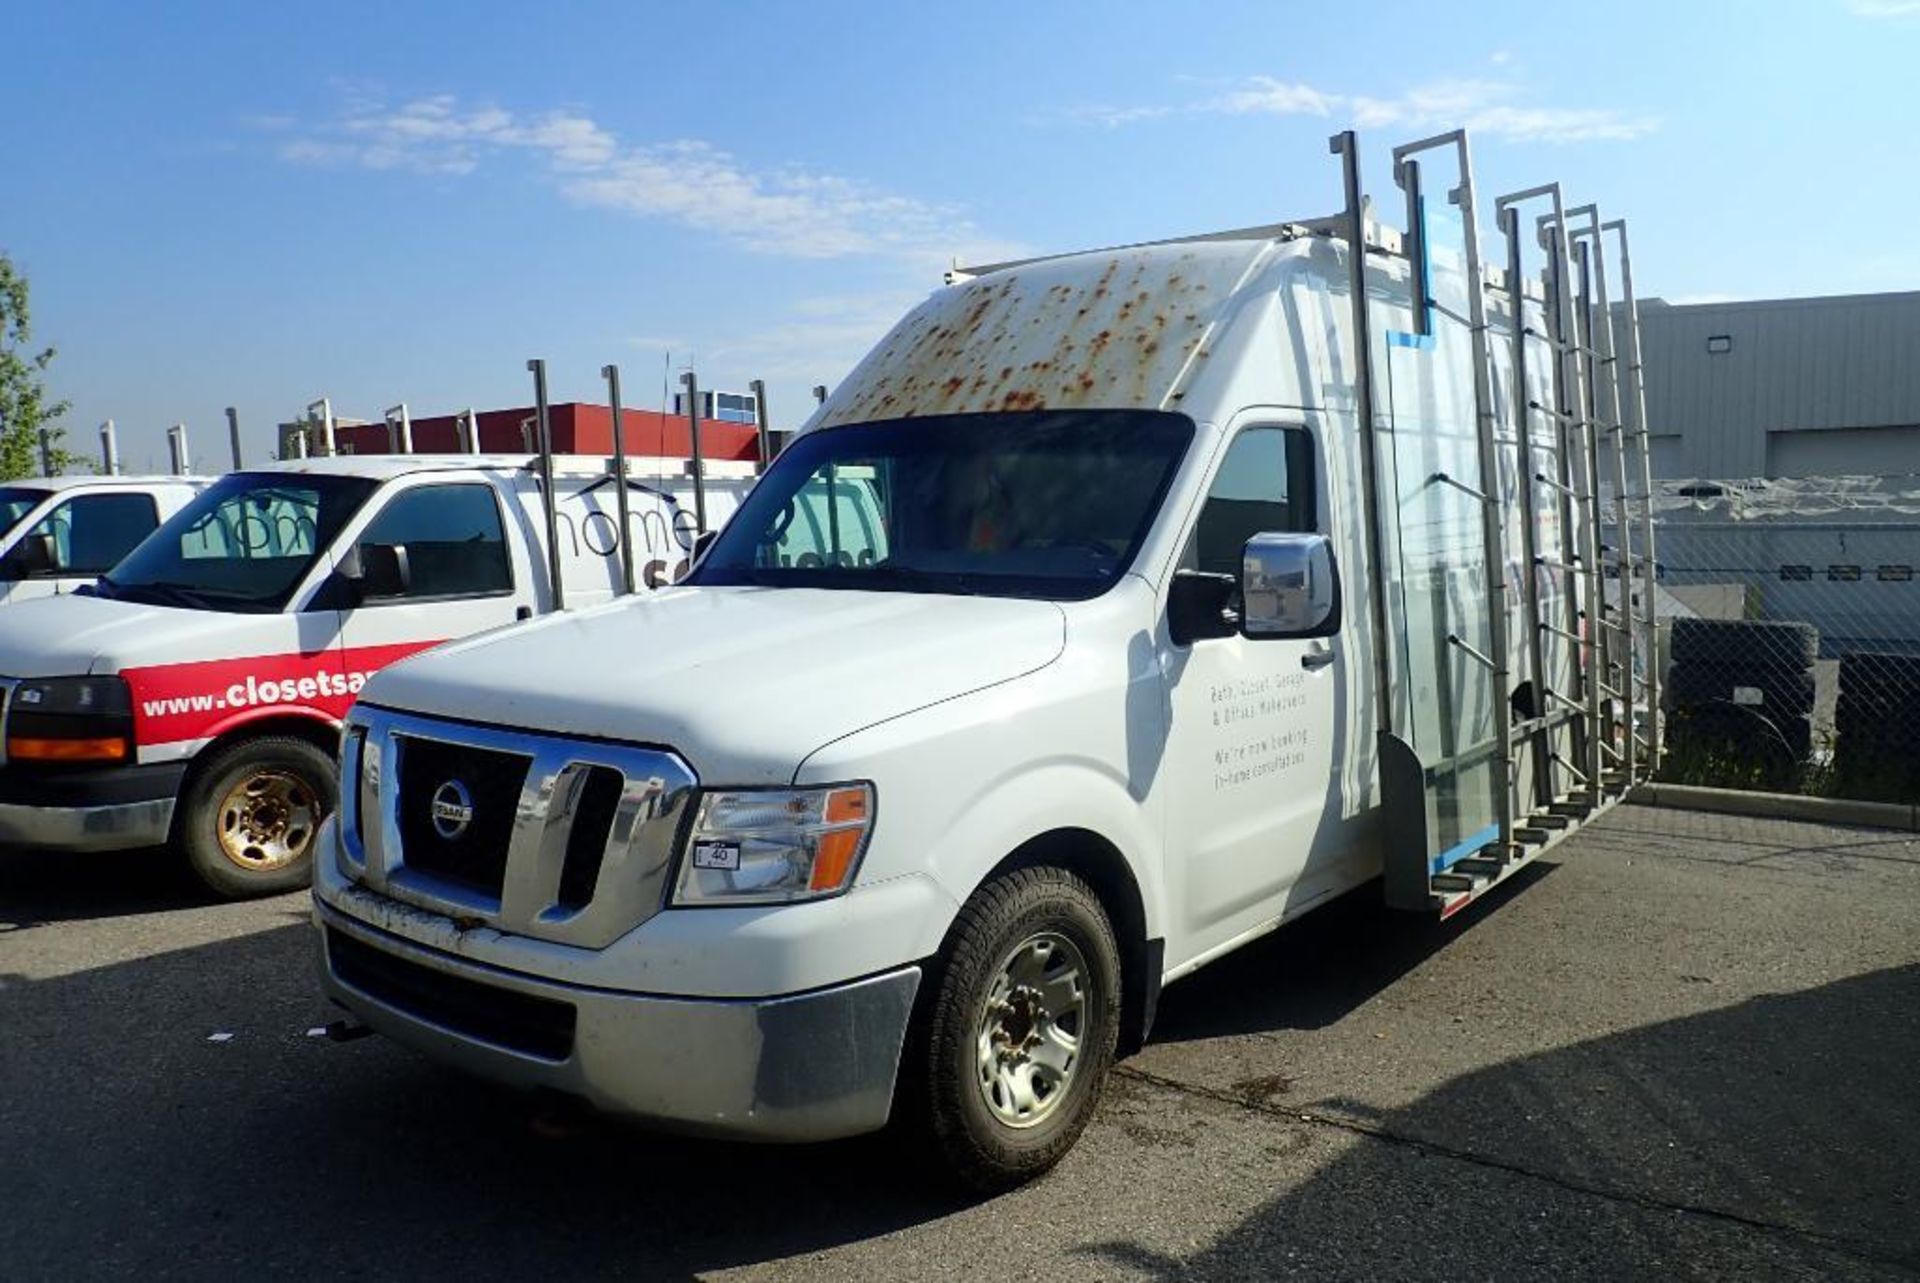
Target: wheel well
{"x":1099,"y":863}
{"x":324,"y":736}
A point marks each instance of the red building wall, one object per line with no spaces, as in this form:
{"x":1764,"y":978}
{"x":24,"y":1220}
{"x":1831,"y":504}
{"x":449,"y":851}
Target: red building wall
{"x":578,"y":428}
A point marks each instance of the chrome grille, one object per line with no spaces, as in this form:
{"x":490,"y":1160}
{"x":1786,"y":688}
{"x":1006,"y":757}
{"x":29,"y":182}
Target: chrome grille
{"x":582,"y":888}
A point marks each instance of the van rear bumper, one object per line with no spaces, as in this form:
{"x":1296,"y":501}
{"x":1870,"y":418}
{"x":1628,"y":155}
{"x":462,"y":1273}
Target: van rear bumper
{"x":110,"y":809}
{"x":797,"y":1067}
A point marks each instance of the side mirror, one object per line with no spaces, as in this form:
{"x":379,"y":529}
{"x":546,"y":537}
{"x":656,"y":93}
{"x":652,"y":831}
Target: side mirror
{"x":33,"y":555}
{"x":376,"y":570}
{"x":1289,"y":587}
{"x":1200,"y":605}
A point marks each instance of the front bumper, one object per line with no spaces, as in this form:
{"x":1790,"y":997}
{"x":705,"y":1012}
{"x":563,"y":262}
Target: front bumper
{"x":798,"y":1067}
{"x":108,"y":809}
{"x":86,"y":828}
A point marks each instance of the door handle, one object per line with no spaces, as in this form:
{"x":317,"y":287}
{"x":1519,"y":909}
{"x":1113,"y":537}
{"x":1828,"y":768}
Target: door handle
{"x":1316,"y":659}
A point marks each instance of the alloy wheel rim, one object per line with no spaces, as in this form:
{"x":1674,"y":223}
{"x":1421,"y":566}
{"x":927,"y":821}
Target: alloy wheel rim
{"x":267,"y":821}
{"x":1029,"y":1029}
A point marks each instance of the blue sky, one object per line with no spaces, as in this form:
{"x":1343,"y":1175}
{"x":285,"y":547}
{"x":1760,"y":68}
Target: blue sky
{"x":257,"y":204}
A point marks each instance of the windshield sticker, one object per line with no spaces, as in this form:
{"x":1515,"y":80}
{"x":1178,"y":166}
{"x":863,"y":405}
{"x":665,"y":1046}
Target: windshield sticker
{"x":716,"y":855}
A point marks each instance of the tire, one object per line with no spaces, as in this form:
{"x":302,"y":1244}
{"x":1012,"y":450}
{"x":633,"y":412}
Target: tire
{"x":1776,"y":646}
{"x":1737,"y":733}
{"x":958,"y":1100}
{"x":264,"y":796}
{"x":1781,"y":694}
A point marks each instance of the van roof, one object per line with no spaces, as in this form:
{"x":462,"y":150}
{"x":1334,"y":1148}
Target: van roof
{"x":385,"y":467}
{"x":75,"y":481}
{"x":1100,"y":329}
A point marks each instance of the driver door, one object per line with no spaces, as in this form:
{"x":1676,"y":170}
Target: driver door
{"x":464,"y":574}
{"x":88,"y":535}
{"x":1252,"y":737}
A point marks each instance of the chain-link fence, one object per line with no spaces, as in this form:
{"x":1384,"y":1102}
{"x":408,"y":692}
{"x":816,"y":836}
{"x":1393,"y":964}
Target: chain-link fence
{"x":1790,"y":635}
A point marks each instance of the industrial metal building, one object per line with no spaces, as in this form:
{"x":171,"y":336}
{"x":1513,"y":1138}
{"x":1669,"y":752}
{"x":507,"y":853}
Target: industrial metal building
{"x":1798,"y":387}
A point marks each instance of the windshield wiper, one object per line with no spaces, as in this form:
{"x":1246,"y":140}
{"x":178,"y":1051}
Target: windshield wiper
{"x":167,"y":594}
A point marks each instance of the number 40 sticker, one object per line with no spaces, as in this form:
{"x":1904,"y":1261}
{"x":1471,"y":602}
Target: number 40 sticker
{"x":716,"y":855}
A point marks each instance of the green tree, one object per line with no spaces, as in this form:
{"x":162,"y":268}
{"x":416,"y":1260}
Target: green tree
{"x":24,"y":407}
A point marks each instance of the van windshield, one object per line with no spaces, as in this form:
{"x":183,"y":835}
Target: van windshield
{"x":244,"y":543}
{"x":16,"y":503}
{"x":1050,"y":504}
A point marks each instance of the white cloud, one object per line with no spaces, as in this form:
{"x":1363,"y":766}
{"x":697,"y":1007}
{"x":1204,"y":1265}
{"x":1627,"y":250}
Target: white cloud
{"x":1485,"y":107}
{"x":819,"y":339}
{"x":1884,"y":8}
{"x":788,"y":210}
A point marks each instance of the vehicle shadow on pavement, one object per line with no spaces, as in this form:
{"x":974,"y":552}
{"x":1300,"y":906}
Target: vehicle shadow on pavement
{"x":1316,"y":970}
{"x":178,"y":1115}
{"x":64,"y":886}
{"x":1780,"y":1135}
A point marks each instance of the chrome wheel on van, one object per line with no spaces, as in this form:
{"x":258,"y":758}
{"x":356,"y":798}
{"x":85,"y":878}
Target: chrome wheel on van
{"x":267,"y":821}
{"x":1027,"y":1038}
{"x":1018,"y":1021}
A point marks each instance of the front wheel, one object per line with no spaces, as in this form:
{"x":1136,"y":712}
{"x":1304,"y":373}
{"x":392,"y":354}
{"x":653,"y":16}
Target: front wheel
{"x":251,"y":812}
{"x":1020,"y":1028}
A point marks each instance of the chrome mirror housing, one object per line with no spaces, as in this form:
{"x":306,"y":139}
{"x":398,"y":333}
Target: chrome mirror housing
{"x":1288,"y":587}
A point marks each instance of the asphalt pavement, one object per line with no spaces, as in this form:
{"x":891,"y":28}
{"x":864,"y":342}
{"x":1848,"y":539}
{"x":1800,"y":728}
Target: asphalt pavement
{"x":1682,"y":1046}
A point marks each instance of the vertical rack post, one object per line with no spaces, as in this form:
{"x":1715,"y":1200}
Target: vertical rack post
{"x":399,"y":429}
{"x":692,"y":384}
{"x":1640,"y":432}
{"x":552,"y":500}
{"x":1580,"y":293}
{"x":1577,"y":558}
{"x":611,"y":373}
{"x":177,"y":450}
{"x":320,"y":414}
{"x":46,"y":452}
{"x":760,"y":424}
{"x":1615,"y":625}
{"x":1522,"y":403}
{"x":233,"y":435}
{"x":1346,"y":146}
{"x":819,"y":394}
{"x":1490,"y":499}
{"x":109,"y":450}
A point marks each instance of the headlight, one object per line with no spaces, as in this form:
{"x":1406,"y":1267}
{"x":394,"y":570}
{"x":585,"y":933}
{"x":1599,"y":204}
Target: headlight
{"x":70,"y":719}
{"x":773,"y":846}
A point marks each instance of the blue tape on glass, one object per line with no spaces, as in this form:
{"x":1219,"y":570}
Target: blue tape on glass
{"x":1400,"y":338}
{"x":1465,"y":847}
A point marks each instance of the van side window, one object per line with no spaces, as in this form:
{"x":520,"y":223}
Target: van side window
{"x":453,"y":538}
{"x":1265,"y":484}
{"x":92,"y":532}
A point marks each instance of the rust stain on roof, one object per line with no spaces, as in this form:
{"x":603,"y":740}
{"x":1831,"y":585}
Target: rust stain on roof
{"x":1109,"y":329}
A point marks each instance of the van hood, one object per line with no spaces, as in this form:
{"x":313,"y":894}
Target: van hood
{"x":743,"y":683}
{"x":73,"y":635}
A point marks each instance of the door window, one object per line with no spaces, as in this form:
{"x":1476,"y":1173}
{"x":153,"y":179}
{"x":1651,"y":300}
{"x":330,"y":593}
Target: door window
{"x":91,"y":533}
{"x":455,"y":546}
{"x":1265,"y":484}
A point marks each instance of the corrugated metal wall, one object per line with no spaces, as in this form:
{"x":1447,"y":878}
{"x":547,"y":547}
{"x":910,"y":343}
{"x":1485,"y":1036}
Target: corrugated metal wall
{"x":1805,"y":387}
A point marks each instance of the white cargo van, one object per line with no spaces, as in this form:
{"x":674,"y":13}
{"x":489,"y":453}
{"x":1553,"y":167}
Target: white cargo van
{"x":195,"y":691}
{"x":1168,"y":591}
{"x":58,"y":533}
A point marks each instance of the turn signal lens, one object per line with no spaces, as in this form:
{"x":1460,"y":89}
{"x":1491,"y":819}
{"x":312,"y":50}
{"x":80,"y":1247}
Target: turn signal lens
{"x":111,"y":749}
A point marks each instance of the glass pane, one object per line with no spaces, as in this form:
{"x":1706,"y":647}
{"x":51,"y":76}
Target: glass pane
{"x":92,"y":533}
{"x":452,"y":534}
{"x":1025,"y":504}
{"x":1445,"y":706}
{"x":1255,"y":491}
